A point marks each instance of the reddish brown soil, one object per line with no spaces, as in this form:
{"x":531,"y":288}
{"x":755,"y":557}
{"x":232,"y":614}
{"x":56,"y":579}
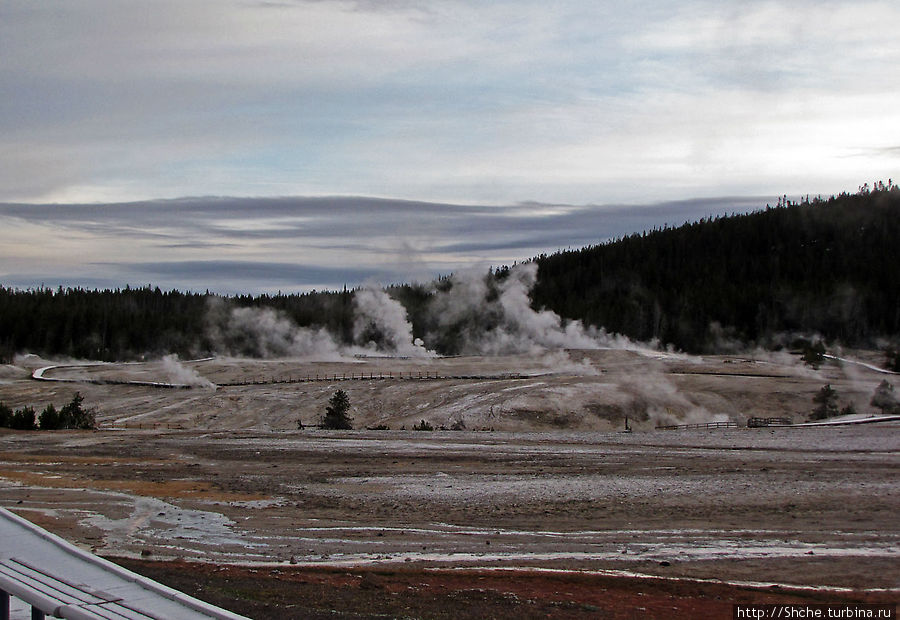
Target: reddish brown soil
{"x":459,"y":594}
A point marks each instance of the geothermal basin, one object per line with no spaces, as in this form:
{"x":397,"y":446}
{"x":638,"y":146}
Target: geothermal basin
{"x":542,"y":478}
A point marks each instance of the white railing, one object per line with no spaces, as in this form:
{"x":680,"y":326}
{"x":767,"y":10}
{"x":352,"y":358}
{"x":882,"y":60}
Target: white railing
{"x":58,"y":579}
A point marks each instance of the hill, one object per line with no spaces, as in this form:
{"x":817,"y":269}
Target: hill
{"x":826,"y":267}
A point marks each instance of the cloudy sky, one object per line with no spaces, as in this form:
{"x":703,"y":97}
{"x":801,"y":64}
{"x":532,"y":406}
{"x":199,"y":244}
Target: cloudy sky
{"x":337,"y":141}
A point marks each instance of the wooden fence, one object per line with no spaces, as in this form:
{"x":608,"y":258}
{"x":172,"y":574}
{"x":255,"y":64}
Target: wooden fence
{"x":763,"y":422}
{"x":678,"y":427}
{"x":395,"y":376}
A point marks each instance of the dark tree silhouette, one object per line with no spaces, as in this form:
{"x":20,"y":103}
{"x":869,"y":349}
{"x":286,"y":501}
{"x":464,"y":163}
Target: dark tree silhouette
{"x":23,"y":419}
{"x":49,"y":419}
{"x":826,"y":403}
{"x":892,"y":358}
{"x":885,"y":399}
{"x":336,"y":413}
{"x":74,"y":415}
{"x":826,"y":266}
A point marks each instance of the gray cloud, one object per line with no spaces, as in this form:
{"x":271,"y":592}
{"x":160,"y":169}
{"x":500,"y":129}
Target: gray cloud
{"x":494,"y":102}
{"x":889,"y":151}
{"x":611,"y":108}
{"x":262,"y":244}
{"x":310,"y":216}
{"x":245,"y":275}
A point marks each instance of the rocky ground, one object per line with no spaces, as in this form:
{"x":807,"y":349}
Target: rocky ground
{"x":576,"y":390}
{"x":541,"y":518}
{"x":455,"y":594}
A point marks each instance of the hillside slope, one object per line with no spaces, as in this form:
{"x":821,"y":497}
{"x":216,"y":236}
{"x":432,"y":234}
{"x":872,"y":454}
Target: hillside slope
{"x":824,"y":266}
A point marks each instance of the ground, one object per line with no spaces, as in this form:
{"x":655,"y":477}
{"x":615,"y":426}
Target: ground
{"x":471,"y":594}
{"x":535,"y":518}
{"x":577,"y":390}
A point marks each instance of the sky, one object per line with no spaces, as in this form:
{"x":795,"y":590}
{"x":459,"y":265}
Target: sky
{"x":255,"y":146}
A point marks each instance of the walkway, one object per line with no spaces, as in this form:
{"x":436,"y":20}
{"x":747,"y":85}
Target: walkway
{"x":60,"y":580}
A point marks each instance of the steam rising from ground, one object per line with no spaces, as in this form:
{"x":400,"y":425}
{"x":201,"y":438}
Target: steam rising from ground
{"x":382,"y":325}
{"x":562,"y":362}
{"x":475,"y":314}
{"x":655,"y":398}
{"x":500,"y":320}
{"x":265,"y":333}
{"x":472,"y":313}
{"x":179,"y":374}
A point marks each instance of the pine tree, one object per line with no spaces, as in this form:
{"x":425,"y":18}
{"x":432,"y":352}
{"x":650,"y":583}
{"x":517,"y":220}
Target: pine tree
{"x":23,"y":419}
{"x":826,"y":399}
{"x":49,"y":419}
{"x":814,"y":355}
{"x":74,"y":415}
{"x":892,"y":359}
{"x":336,"y":417}
{"x":885,"y":399}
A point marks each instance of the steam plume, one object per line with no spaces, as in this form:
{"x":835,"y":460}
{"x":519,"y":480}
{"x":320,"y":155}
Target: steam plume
{"x":266,"y":333}
{"x":382,"y":324}
{"x":180,"y":374}
{"x":656,"y":399}
{"x":496,"y":320}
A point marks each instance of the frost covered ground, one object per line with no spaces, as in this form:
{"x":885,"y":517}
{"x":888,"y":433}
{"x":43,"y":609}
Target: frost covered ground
{"x":555,"y":485}
{"x":563,"y":390}
{"x":814,"y":506}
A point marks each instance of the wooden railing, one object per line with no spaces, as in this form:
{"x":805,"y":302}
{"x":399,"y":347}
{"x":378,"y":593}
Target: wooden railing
{"x":58,"y":579}
{"x":395,"y":376}
{"x":763,"y":422}
{"x":678,"y":427}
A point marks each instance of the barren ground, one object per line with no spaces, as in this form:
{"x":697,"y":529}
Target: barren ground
{"x":401,"y":522}
{"x":578,"y":390}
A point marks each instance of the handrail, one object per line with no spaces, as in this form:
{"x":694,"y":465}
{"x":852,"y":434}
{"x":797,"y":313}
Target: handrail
{"x":49,"y":574}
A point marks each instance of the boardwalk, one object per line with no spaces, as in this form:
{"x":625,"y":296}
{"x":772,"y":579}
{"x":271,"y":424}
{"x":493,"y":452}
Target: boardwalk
{"x":58,"y":579}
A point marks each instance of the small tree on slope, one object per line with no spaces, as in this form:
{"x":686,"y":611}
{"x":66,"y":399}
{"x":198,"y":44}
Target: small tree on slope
{"x":826,"y":403}
{"x":336,"y":417}
{"x":885,"y":399}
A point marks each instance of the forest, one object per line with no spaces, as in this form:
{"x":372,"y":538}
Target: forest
{"x":825,"y":268}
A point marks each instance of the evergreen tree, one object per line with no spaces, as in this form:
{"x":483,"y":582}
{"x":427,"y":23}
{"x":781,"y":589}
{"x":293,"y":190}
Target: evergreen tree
{"x":49,"y":419}
{"x":885,"y":399}
{"x":892,"y":359}
{"x":827,"y":403}
{"x":23,"y":419}
{"x":336,"y":413}
{"x":423,"y":426}
{"x":73,"y":415}
{"x":814,"y":355}
{"x":6,"y":415}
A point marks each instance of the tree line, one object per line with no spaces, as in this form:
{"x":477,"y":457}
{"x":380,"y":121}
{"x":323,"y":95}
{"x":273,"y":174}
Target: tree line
{"x":828,"y":267}
{"x":72,"y":415}
{"x":818,"y":266}
{"x":828,"y":406}
{"x":134,"y":323}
